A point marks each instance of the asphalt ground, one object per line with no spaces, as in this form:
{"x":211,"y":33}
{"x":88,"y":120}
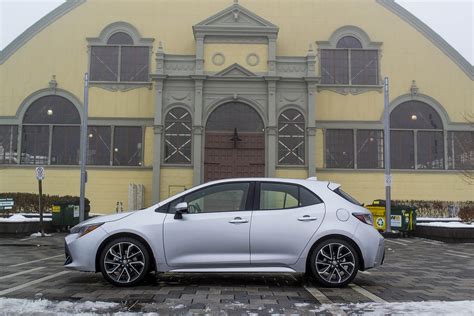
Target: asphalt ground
{"x":415,"y":270}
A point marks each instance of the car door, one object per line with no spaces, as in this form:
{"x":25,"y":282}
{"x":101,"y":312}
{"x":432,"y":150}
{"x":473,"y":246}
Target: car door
{"x":215,"y":230}
{"x":284,"y":220}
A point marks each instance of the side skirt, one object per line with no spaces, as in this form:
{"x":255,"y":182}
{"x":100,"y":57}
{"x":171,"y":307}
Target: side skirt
{"x":238,"y":269}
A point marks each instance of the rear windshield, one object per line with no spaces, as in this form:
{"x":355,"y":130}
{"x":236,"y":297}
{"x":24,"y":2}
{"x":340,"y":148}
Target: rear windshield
{"x":346,"y":196}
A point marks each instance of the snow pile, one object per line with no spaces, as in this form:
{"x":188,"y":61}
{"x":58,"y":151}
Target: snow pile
{"x":428,"y":308}
{"x":447,"y":224}
{"x":438,"y":219}
{"x":13,"y":306}
{"x":39,"y":235}
{"x":18,"y":218}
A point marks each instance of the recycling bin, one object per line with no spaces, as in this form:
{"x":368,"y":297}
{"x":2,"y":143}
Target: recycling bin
{"x":402,"y":217}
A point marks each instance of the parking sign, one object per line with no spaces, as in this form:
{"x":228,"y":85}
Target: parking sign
{"x":39,"y":173}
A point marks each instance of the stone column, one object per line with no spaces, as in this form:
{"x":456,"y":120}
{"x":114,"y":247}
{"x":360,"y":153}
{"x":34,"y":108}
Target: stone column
{"x":272,"y":55}
{"x":271,"y":128}
{"x":311,"y":81}
{"x":311,"y":129}
{"x":157,"y":137}
{"x":158,"y":122}
{"x":199,"y":55}
{"x":198,"y":129}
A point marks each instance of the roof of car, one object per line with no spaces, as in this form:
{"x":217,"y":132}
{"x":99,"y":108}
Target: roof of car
{"x":305,"y":182}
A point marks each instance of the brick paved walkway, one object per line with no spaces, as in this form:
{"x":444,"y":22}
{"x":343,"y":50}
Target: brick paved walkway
{"x":414,"y":270}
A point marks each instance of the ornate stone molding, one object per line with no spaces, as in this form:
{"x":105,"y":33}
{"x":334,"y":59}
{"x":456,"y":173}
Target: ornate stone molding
{"x":252,"y":59}
{"x":123,"y":87}
{"x":311,"y":131}
{"x":218,"y":59}
{"x":271,"y":130}
{"x":198,"y":130}
{"x":158,"y":129}
{"x":345,"y":89}
{"x":53,"y":84}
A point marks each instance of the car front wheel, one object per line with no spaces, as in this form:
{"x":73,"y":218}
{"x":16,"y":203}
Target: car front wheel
{"x":334,"y":263}
{"x":124,"y":261}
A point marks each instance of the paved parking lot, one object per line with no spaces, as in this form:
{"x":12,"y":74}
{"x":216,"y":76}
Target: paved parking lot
{"x":414,"y":270}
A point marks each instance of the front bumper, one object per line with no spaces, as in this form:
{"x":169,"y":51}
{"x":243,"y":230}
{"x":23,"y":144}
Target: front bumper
{"x":81,"y":252}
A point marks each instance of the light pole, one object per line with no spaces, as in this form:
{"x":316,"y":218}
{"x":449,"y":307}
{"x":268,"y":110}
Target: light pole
{"x":388,"y":174}
{"x":84,"y":145}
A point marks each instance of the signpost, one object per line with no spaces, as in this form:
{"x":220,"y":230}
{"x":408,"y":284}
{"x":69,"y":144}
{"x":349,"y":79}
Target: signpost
{"x":84,"y":143}
{"x":388,"y":174}
{"x":40,"y":177}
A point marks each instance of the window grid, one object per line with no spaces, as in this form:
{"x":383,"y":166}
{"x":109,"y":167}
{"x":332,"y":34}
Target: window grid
{"x":178,"y":137}
{"x":291,"y":138}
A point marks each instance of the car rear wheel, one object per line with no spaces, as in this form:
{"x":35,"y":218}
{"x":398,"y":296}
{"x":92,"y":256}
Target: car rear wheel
{"x":334,"y":263}
{"x":125,"y":261}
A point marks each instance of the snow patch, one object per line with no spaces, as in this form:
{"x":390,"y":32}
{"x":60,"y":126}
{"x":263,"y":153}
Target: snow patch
{"x":439,"y":219}
{"x":428,"y":308}
{"x":14,"y":306}
{"x":447,"y":224}
{"x":39,"y":235}
{"x":18,"y":218}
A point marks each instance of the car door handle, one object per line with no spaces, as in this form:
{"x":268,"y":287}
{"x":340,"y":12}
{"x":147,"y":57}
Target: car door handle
{"x":238,"y":220}
{"x":307,"y":218}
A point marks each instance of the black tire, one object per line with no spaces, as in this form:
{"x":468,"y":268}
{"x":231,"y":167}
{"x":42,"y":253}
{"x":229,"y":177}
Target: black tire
{"x":130,"y":269}
{"x":342,"y":269}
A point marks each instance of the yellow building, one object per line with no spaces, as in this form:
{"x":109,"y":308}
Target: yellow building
{"x":184,"y":91}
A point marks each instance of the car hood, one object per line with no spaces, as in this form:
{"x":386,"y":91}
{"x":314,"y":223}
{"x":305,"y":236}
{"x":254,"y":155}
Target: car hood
{"x":106,"y":218}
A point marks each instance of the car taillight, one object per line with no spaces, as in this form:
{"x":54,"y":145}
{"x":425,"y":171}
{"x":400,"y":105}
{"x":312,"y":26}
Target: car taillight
{"x":364,"y":218}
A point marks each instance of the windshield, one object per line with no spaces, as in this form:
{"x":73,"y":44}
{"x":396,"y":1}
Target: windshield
{"x":346,"y":196}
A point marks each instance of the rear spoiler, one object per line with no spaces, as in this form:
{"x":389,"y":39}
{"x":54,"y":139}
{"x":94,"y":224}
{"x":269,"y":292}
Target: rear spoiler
{"x":333,"y":186}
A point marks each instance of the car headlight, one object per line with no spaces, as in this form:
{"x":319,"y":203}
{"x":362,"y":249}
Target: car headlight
{"x":85,"y":229}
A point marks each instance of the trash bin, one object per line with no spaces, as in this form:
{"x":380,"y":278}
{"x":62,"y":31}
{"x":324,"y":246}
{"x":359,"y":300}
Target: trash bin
{"x":67,"y":214}
{"x":378,"y":214}
{"x":402,"y":217}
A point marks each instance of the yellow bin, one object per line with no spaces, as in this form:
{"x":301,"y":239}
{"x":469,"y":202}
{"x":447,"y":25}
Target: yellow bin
{"x":378,"y":213}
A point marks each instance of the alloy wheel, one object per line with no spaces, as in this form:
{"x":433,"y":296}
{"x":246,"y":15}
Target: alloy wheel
{"x":124,"y":262}
{"x":335,"y":263}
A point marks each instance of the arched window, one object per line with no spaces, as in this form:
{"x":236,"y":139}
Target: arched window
{"x":119,"y":58}
{"x":416,"y":140}
{"x":50,"y":132}
{"x":178,"y":132}
{"x":349,"y":58}
{"x":291,"y":138}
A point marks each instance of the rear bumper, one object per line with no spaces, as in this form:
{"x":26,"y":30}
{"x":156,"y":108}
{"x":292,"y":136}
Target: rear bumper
{"x":380,"y":256}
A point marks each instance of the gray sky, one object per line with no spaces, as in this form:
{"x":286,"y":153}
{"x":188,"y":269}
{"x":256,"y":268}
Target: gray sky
{"x":452,"y":19}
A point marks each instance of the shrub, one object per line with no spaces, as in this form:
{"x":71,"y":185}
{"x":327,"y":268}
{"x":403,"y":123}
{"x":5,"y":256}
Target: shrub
{"x":466,"y":214}
{"x":28,"y":202}
{"x":436,"y":208}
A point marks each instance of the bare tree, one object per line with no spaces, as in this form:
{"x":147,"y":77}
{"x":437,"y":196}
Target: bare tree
{"x":468,"y":173}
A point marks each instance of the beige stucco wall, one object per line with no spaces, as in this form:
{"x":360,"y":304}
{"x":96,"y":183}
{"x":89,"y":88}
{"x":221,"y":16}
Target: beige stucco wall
{"x":104,"y":187}
{"x":61,"y":49}
{"x":236,"y":53}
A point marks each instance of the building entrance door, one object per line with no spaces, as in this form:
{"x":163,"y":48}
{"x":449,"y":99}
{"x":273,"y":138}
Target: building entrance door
{"x":234,"y":143}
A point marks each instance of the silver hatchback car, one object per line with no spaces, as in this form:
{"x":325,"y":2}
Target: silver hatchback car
{"x":234,"y":225}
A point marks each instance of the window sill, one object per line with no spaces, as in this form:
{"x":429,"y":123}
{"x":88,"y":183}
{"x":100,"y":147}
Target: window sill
{"x":346,"y":89}
{"x":176,"y":165}
{"x":120,"y":86}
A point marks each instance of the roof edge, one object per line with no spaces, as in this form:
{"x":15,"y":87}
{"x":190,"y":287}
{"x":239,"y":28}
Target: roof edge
{"x":42,"y":23}
{"x":434,"y":37}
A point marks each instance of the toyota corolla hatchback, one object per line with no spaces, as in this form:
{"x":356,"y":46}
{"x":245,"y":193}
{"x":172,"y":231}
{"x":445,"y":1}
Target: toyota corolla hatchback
{"x":234,"y":225}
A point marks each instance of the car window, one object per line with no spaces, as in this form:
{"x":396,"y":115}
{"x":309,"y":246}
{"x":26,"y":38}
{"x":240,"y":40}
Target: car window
{"x":283,"y":196}
{"x":224,"y":197}
{"x":346,"y":196}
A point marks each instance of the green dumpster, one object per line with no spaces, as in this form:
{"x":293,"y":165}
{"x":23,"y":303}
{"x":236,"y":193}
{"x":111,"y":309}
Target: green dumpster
{"x":403,"y":218}
{"x":66,"y":214}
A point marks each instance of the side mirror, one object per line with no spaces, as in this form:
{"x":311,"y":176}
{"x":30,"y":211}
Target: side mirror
{"x":180,"y":208}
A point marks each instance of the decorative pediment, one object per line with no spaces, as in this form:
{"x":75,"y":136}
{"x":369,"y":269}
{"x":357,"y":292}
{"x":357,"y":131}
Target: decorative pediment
{"x":235,"y":70}
{"x":235,"y":20}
